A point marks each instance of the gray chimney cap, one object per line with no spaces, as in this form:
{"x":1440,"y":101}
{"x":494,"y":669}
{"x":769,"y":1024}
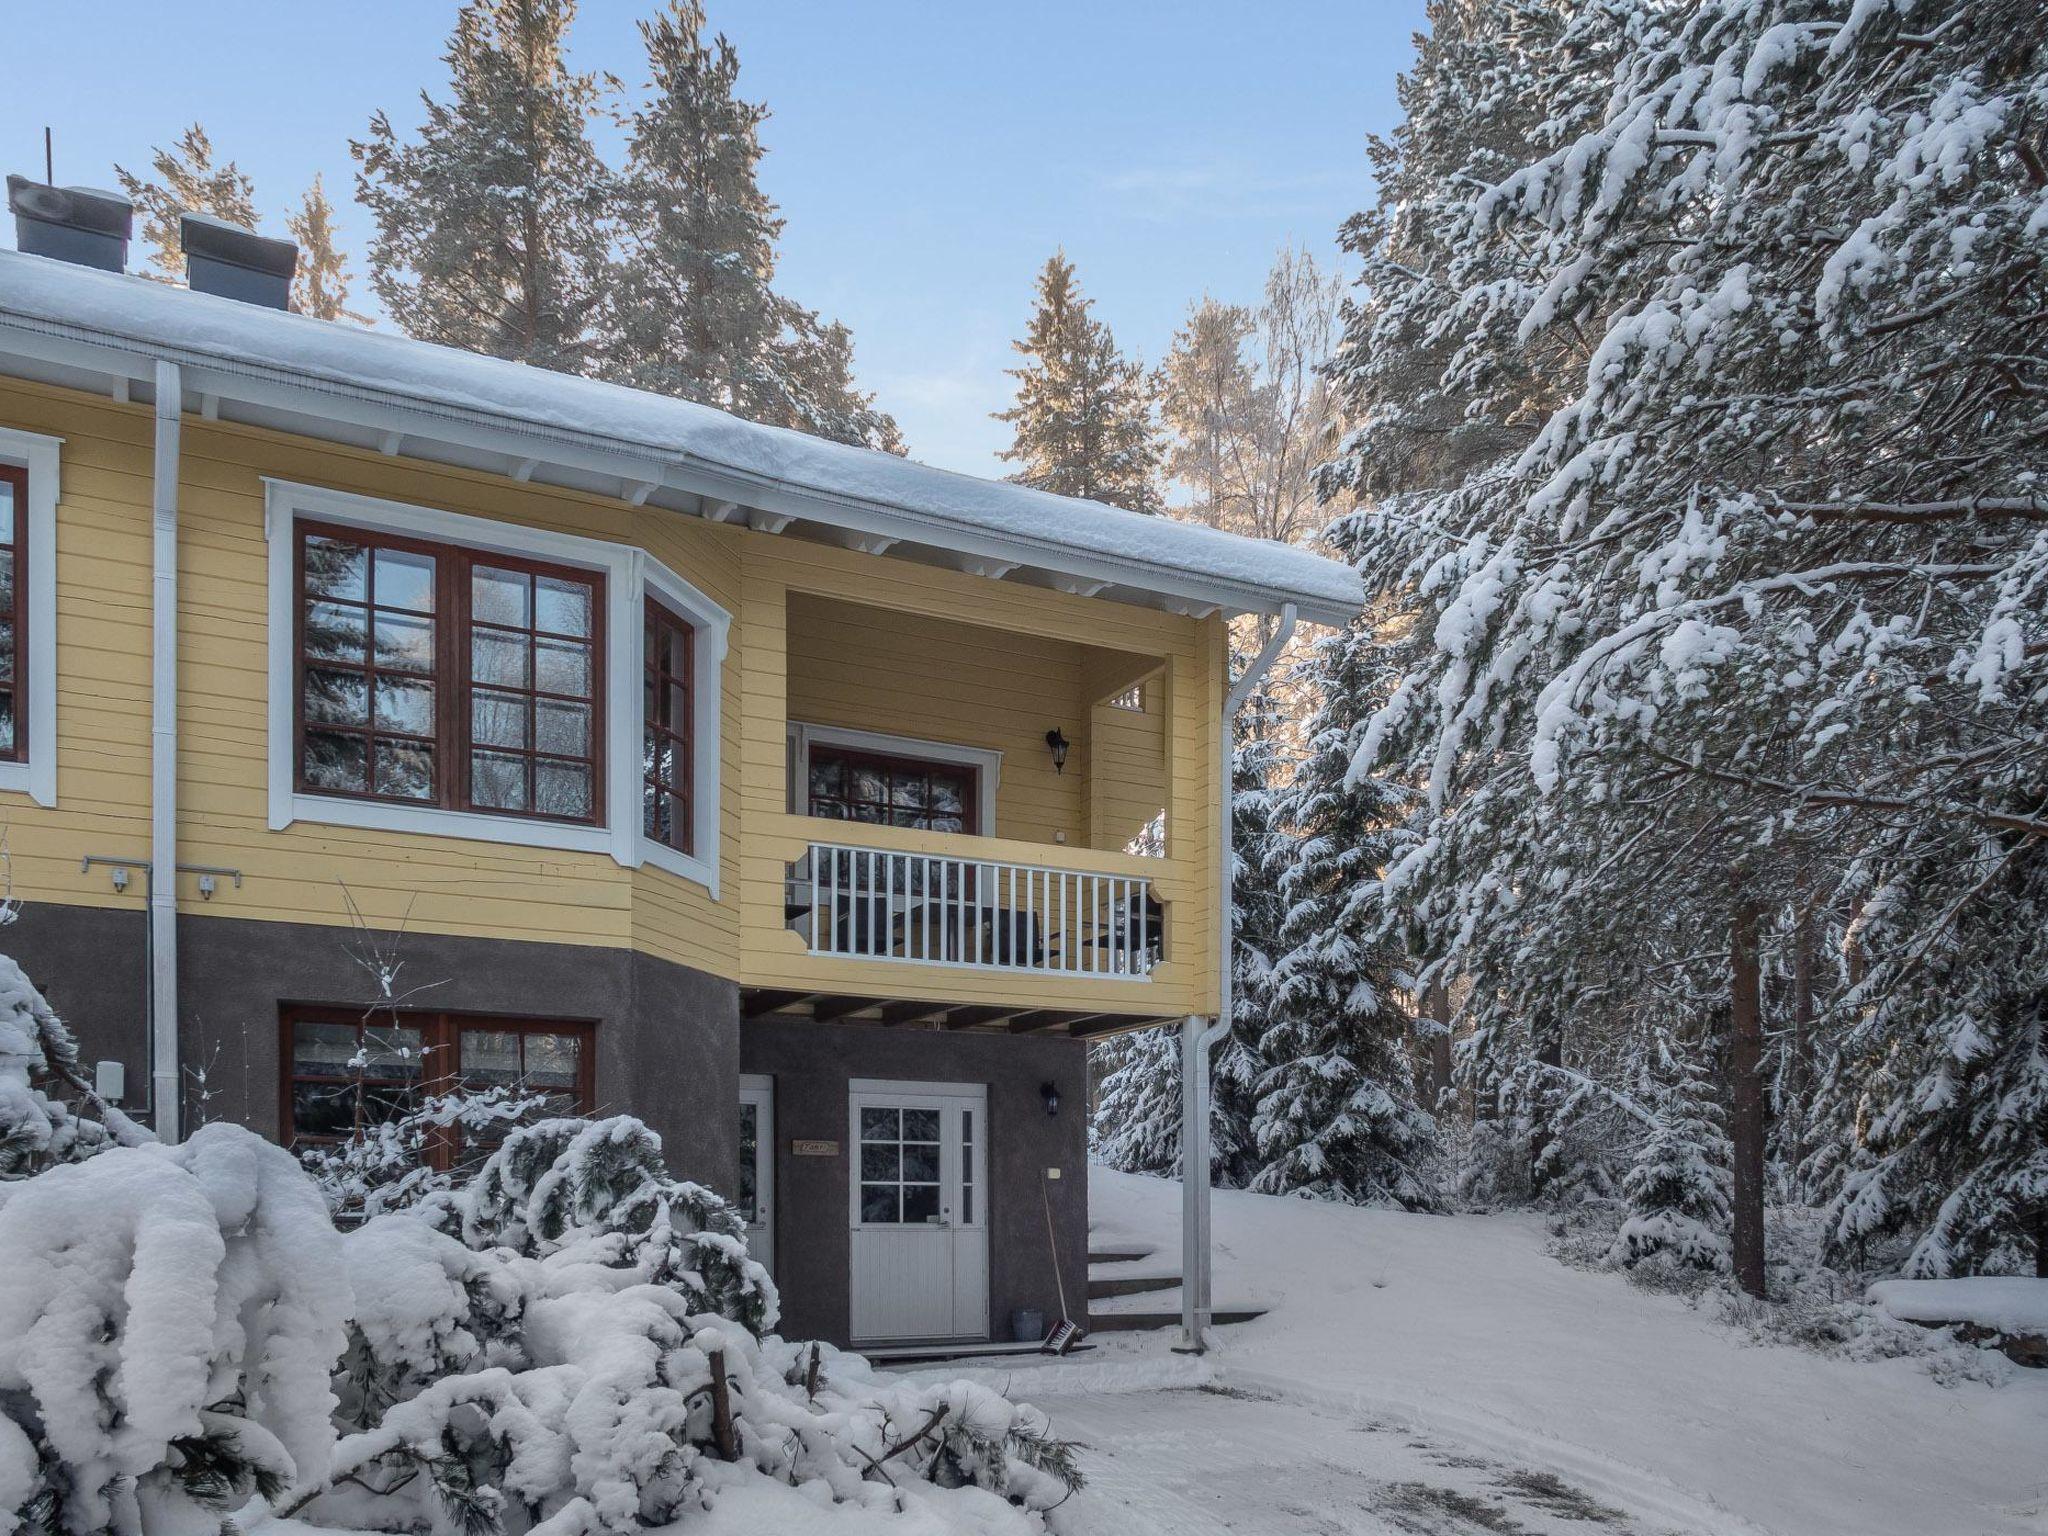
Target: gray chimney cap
{"x":217,"y":239}
{"x":86,"y":208}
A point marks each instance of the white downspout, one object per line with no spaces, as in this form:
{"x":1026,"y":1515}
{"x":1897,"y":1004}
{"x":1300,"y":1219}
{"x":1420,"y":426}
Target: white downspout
{"x":165,"y":1077}
{"x":1195,"y":1269}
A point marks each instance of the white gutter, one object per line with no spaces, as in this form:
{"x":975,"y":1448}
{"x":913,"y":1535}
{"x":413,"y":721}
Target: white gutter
{"x":165,"y":1078}
{"x":1196,"y":1299}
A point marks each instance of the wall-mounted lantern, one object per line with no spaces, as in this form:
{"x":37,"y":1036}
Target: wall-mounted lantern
{"x":1059,"y":745}
{"x":1050,"y":1092}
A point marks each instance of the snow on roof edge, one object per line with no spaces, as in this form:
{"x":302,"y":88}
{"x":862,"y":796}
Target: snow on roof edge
{"x":143,"y":313}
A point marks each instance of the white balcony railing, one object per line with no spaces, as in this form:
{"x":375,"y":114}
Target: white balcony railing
{"x":926,"y":909}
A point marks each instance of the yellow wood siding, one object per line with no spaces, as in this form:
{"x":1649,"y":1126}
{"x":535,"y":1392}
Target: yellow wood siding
{"x":1014,"y":665}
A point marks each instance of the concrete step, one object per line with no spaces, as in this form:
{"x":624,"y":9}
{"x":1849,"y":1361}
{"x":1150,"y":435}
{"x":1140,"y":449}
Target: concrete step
{"x":1117,"y":1255}
{"x":1135,"y":1322}
{"x":1101,"y":1287}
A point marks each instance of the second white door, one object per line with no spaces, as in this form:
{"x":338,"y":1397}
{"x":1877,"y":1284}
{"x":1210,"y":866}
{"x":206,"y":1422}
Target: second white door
{"x":918,"y":1205}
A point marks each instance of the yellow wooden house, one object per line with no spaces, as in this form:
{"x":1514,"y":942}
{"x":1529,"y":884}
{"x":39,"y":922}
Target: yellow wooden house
{"x":374,"y":716}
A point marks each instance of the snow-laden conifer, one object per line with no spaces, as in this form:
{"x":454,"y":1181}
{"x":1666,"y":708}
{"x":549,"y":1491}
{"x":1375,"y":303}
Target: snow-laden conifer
{"x":492,"y":221}
{"x":1336,"y":1113}
{"x":1756,"y":603}
{"x":690,"y":309}
{"x":1083,"y":417}
{"x":1677,"y":1186}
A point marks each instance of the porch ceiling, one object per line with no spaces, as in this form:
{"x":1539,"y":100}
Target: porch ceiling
{"x":901,"y":1013}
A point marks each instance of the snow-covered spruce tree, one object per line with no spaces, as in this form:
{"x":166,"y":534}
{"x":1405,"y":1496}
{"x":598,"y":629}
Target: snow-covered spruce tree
{"x":599,"y":1191}
{"x":690,"y":309}
{"x":1137,"y":1117}
{"x":491,"y":223}
{"x":1677,"y":1187}
{"x":565,"y":1341}
{"x":320,"y":287}
{"x":1337,"y":1116}
{"x":1136,"y":1127}
{"x":1741,"y":593}
{"x":1938,"y":1091}
{"x":186,"y":181}
{"x":1083,"y":417}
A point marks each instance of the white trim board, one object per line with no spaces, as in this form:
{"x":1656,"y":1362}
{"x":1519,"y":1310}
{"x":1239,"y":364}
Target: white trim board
{"x":630,"y":573}
{"x":41,"y":456}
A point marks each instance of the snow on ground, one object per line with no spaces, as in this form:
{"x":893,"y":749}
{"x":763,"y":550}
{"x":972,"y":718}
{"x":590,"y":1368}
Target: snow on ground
{"x":2012,"y":1305}
{"x":1426,"y":1373}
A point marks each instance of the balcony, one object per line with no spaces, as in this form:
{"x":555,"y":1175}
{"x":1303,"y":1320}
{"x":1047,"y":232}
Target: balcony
{"x":952,"y":909}
{"x":931,"y":858}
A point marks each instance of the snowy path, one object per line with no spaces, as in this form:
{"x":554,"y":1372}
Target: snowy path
{"x":1191,"y":1461}
{"x":1476,"y":1354}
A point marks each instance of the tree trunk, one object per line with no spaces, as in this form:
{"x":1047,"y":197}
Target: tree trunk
{"x":1746,"y":1097}
{"x":1549,"y":1053}
{"x":1799,"y":1079}
{"x":1437,"y":1004}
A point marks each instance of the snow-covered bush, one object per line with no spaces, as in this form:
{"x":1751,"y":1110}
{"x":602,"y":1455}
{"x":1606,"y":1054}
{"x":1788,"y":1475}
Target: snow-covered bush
{"x":169,"y":1319}
{"x":388,"y":1167}
{"x":569,"y":1344}
{"x":39,"y":1126}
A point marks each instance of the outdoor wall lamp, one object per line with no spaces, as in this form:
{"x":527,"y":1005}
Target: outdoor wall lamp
{"x":1059,"y":745}
{"x":1050,"y":1092}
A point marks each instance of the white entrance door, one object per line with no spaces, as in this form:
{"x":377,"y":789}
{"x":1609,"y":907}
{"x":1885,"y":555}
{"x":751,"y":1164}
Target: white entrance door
{"x":757,"y":1166}
{"x":919,"y":1211}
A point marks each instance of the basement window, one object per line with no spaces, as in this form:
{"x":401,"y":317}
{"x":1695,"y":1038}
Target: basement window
{"x":345,"y":1075}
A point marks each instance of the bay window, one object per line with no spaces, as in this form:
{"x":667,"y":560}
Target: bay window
{"x":442,"y":673}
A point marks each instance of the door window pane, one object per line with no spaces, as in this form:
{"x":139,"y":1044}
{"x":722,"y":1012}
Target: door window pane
{"x":880,"y":1203}
{"x":750,"y":1152}
{"x":880,"y":1124}
{"x":920,"y":1203}
{"x":881,"y":1160}
{"x":921,"y":1125}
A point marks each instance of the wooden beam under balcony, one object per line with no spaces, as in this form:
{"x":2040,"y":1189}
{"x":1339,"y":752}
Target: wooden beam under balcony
{"x":910,"y":1013}
{"x":968,"y":1018}
{"x":755,"y":1004}
{"x":825,"y":1009}
{"x":1047,"y":1020}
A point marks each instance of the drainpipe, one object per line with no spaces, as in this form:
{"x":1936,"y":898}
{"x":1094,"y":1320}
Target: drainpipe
{"x":1196,"y":1041}
{"x":165,"y":1094}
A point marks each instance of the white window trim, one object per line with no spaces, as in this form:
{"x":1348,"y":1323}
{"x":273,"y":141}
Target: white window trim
{"x":36,"y":776}
{"x":987,"y":762}
{"x":629,"y":573}
{"x":707,"y":666}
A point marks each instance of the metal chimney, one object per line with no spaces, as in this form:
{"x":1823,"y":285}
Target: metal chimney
{"x":235,"y":263}
{"x":74,"y":224}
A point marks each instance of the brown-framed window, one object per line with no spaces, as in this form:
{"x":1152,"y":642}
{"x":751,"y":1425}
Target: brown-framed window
{"x":14,"y":554}
{"x":437,"y":675}
{"x":667,"y":790}
{"x":853,"y":785}
{"x":347,"y":1072}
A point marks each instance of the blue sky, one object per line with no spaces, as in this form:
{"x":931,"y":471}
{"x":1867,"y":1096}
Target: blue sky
{"x":927,"y":156}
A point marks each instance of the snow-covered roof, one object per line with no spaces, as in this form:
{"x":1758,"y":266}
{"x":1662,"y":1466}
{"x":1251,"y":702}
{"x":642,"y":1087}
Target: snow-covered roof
{"x":247,"y":362}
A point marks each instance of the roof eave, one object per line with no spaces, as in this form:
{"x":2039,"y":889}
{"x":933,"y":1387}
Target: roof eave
{"x":359,"y":416}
